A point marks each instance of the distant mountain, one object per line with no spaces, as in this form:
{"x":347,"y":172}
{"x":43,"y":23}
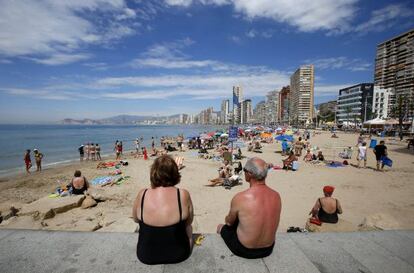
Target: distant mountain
{"x":80,"y":122}
{"x":118,"y":120}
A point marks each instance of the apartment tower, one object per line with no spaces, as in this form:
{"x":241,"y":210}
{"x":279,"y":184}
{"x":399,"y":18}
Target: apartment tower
{"x":301,"y":95}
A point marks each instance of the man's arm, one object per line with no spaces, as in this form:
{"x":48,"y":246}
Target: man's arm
{"x":232,"y":215}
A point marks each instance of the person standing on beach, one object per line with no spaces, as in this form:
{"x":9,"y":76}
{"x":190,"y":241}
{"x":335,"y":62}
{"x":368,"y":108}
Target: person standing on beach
{"x":137,"y":146}
{"x":121,"y":148}
{"x":92,"y":149}
{"x":145,"y":153}
{"x":362,"y":154}
{"x":98,"y":152}
{"x":380,"y":150}
{"x":152,"y":143}
{"x":27,"y":161}
{"x":88,"y":151}
{"x":81,"y":152}
{"x":38,"y":158}
{"x":251,"y":224}
{"x":118,"y":151}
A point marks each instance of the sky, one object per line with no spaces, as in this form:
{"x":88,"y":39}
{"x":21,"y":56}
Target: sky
{"x":100,"y":58}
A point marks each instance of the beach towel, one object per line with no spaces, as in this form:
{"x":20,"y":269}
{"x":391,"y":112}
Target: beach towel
{"x":386,"y":161}
{"x":102,"y":180}
{"x":335,"y":164}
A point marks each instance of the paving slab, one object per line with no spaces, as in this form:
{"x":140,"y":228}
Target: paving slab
{"x":214,"y":256}
{"x":327,"y":256}
{"x":288,"y":257}
{"x":46,"y":207}
{"x":395,"y":242}
{"x":373,"y":256}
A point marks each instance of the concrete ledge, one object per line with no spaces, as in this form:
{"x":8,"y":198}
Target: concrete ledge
{"x":71,"y":252}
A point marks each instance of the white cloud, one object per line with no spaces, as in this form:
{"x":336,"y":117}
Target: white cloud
{"x":39,"y":29}
{"x":340,"y":63}
{"x":305,"y":15}
{"x":255,"y":33}
{"x":385,"y":18}
{"x":40,"y":94}
{"x":59,"y":59}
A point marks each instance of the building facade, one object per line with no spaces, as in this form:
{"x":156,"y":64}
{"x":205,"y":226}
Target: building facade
{"x":237,"y":104}
{"x":301,"y":95}
{"x":354,"y":104}
{"x":225,"y":109}
{"x":283,"y":106}
{"x":381,"y":102}
{"x":259,"y":113}
{"x":247,"y":111}
{"x":272,"y":105}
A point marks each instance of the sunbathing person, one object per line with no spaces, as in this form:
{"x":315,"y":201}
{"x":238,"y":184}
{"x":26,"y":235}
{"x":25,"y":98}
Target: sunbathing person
{"x":165,"y":231}
{"x":250,"y":226}
{"x":225,"y":172}
{"x":79,"y":183}
{"x":326,"y":209}
{"x":308,"y":156}
{"x":288,"y":162}
{"x":250,"y":147}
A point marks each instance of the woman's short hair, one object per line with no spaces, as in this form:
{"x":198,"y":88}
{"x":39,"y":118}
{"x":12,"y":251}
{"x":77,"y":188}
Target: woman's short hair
{"x":164,"y":172}
{"x":77,"y":173}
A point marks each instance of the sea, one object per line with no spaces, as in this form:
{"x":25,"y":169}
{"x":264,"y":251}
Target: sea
{"x":59,"y":143}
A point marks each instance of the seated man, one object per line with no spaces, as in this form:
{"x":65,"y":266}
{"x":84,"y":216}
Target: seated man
{"x":79,"y":183}
{"x":288,"y":162}
{"x":326,"y":209}
{"x":250,"y":226}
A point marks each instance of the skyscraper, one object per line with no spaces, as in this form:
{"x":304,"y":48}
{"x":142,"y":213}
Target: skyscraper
{"x":283,"y":109}
{"x":394,"y":67}
{"x":354,"y":103}
{"x":225,"y":109}
{"x":246,"y":111}
{"x":272,"y":105}
{"x":237,"y":105}
{"x":259,"y":112}
{"x":301,"y":95}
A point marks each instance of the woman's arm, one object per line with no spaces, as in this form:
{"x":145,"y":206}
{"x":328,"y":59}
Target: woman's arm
{"x":339,"y":208}
{"x":135,"y":207}
{"x":315,"y":208}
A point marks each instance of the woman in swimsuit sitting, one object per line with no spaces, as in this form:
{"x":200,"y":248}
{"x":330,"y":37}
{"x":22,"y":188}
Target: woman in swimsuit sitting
{"x":165,"y":215}
{"x":327,"y":208}
{"x":79,"y":183}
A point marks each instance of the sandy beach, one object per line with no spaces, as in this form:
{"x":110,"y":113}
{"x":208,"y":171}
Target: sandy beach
{"x":385,"y":196}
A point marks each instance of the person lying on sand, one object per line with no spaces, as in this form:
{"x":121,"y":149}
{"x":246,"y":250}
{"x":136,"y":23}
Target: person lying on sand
{"x":327,"y":208}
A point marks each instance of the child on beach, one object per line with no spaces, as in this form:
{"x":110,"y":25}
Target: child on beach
{"x":27,"y":161}
{"x":362,"y":154}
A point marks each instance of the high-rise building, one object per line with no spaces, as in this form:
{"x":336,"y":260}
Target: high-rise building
{"x":301,"y":95}
{"x":225,"y":109}
{"x":283,"y":106}
{"x":237,"y":104}
{"x":247,"y":111}
{"x":354,"y":103}
{"x":381,"y":102}
{"x":394,"y":67}
{"x":259,"y":112}
{"x":272,"y":105}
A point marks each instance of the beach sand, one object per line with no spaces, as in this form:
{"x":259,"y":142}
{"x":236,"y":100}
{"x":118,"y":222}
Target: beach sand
{"x":385,"y":197}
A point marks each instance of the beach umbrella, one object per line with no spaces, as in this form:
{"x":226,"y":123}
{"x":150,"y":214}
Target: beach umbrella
{"x":284,"y":137}
{"x":211,"y":134}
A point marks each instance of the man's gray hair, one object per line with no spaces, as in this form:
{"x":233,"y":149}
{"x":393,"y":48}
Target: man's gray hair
{"x":257,"y":168}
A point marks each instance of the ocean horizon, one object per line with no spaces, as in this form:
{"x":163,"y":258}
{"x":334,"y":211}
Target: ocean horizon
{"x":59,"y":143}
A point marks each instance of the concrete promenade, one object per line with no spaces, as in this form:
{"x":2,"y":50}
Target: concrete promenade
{"x":70,"y":252}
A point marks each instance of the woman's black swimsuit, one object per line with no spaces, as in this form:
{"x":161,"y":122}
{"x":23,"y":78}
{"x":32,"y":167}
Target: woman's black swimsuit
{"x":163,"y":245}
{"x":229,"y":235}
{"x":325,"y":217}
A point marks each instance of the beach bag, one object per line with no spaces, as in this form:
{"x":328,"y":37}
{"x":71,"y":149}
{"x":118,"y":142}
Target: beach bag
{"x":295,"y":166}
{"x":386,"y":161}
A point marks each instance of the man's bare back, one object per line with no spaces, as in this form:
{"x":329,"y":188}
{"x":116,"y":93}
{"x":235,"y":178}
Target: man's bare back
{"x":258,"y":212}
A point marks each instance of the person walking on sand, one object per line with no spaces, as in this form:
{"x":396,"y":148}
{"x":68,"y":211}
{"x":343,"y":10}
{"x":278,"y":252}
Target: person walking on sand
{"x":38,"y":159}
{"x":81,"y":150}
{"x":88,"y":151}
{"x":92,"y":149}
{"x":380,"y":150}
{"x":362,"y":154}
{"x":251,"y":224}
{"x":137,"y":146}
{"x":98,"y":152}
{"x":27,"y":161}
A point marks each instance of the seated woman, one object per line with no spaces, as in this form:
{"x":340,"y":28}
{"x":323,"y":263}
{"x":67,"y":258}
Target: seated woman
{"x":308,"y":156}
{"x":320,"y":156}
{"x":79,"y":183}
{"x":225,"y":172}
{"x":250,"y":147}
{"x":164,"y":227}
{"x":326,"y":209}
{"x":288,"y":162}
